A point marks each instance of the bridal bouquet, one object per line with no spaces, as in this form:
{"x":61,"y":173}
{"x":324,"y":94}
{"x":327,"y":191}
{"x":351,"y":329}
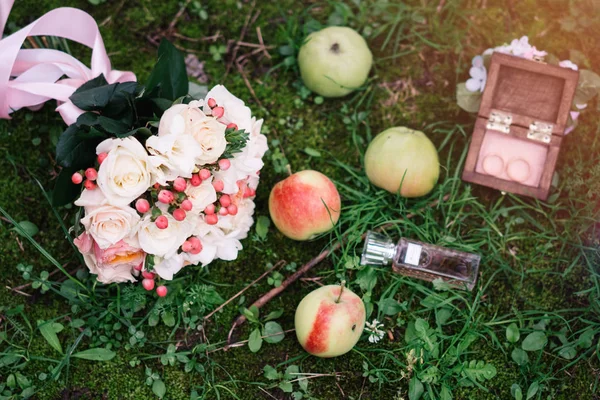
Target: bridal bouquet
{"x":159,"y":194}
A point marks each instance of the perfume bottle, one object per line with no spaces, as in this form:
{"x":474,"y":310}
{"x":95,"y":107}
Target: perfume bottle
{"x":422,"y":260}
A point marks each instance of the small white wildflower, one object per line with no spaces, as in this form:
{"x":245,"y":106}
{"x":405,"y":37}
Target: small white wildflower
{"x":375,"y":331}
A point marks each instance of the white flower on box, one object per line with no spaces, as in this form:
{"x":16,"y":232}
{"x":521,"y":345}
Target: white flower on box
{"x":201,"y":196}
{"x":164,"y":242}
{"x":125,"y":173}
{"x":109,"y":224}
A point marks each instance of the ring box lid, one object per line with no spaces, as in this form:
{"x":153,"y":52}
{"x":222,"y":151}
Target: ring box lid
{"x":531,"y":93}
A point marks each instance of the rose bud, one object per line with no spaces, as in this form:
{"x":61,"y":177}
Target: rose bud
{"x":142,"y":205}
{"x":148,"y":284}
{"x":218,"y":112}
{"x":179,"y":184}
{"x":165,"y":196}
{"x":101,"y":157}
{"x":196,"y":180}
{"x":77,"y":178}
{"x":187,"y":205}
{"x":162,"y":222}
{"x":204,"y":174}
{"x":224,"y":164}
{"x":161,"y":291}
{"x":179,"y":214}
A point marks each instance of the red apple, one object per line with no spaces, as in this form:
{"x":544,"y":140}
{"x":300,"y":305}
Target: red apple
{"x":304,"y":205}
{"x":327,"y":324}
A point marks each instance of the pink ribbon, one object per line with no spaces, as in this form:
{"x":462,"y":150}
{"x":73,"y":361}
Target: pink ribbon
{"x":30,"y":77}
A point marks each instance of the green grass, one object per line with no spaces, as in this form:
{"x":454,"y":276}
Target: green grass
{"x":539,"y":260}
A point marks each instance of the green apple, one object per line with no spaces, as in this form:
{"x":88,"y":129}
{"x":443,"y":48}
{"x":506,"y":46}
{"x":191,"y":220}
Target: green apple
{"x":404,"y":160}
{"x":334,"y":61}
{"x":329,"y":321}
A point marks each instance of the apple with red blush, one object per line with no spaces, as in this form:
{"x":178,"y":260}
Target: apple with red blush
{"x":329,"y":321}
{"x":304,"y":205}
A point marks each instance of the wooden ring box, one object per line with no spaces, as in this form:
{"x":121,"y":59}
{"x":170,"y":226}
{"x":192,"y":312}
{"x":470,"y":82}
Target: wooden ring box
{"x":519,"y":130}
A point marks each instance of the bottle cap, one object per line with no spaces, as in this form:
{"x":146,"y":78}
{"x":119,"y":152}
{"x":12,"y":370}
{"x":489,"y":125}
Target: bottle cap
{"x":378,"y":250}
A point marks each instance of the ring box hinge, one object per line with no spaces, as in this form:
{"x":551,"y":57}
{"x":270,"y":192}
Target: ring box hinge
{"x":540,"y":131}
{"x":499,"y":121}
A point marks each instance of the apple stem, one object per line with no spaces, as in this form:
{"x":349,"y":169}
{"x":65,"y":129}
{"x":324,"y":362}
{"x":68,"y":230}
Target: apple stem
{"x":343,"y":284}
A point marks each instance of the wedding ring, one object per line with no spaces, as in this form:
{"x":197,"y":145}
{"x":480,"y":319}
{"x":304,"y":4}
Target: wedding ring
{"x":493,"y":165}
{"x":518,"y":170}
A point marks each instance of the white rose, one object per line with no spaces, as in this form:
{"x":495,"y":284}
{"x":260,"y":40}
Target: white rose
{"x":189,"y":119}
{"x":109,"y":224}
{"x":235,"y":109}
{"x":125,"y":173}
{"x":167,"y":267}
{"x":91,"y":198}
{"x":179,"y":151}
{"x":201,"y":195}
{"x":164,"y":242}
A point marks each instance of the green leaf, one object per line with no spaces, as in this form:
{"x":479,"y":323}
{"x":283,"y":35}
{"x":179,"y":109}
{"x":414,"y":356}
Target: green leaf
{"x":390,"y":306}
{"x":286,"y":387}
{"x":270,"y":373}
{"x":512,"y":333}
{"x":97,"y":354}
{"x":445,"y":393}
{"x":159,"y":389}
{"x":516,"y":392}
{"x":534,"y":341}
{"x":255,"y":340}
{"x":587,"y":87}
{"x":478,"y":370}
{"x":585,"y":340}
{"x":312,"y":152}
{"x":291,"y":372}
{"x":274,"y":315}
{"x":76,"y":148}
{"x":29,"y":227}
{"x":366,"y":279}
{"x":262,"y":226}
{"x":273,"y":332}
{"x":48,"y":332}
{"x":467,"y":100}
{"x":168,"y":318}
{"x":236,"y":141}
{"x":65,"y":191}
{"x":169,"y":75}
{"x":533,"y":389}
{"x":520,"y":357}
{"x":568,"y":352}
{"x":415,"y":389}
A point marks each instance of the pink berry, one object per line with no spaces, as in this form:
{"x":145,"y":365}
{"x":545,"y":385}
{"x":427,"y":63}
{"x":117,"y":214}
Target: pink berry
{"x":196,"y":245}
{"x":161,"y":291}
{"x":196,"y":180}
{"x":233,"y":126}
{"x":139,"y":267}
{"x":165,"y":196}
{"x":210,"y":209}
{"x":218,"y":185}
{"x":148,"y":284}
{"x":148,"y":275}
{"x":223,"y":211}
{"x":204,"y":174}
{"x":76,"y":178}
{"x":212,"y":103}
{"x":187,"y":205}
{"x":224,"y":164}
{"x":212,"y":219}
{"x":179,"y":184}
{"x":218,"y":112}
{"x":142,"y":205}
{"x":162,"y":222}
{"x":225,"y":200}
{"x":89,"y":185}
{"x":187,"y":246}
{"x":179,"y":214}
{"x":156,"y":186}
{"x":247,"y":192}
{"x":102,"y":157}
{"x":91,"y":174}
{"x":232,"y":209}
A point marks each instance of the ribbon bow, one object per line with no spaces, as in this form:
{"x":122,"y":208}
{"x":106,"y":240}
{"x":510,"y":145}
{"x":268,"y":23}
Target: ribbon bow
{"x":30,"y":77}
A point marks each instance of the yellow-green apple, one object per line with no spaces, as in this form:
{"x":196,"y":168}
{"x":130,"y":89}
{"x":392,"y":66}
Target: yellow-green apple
{"x":304,"y":205}
{"x":329,"y":321}
{"x":402,"y":160}
{"x":334,"y":61}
